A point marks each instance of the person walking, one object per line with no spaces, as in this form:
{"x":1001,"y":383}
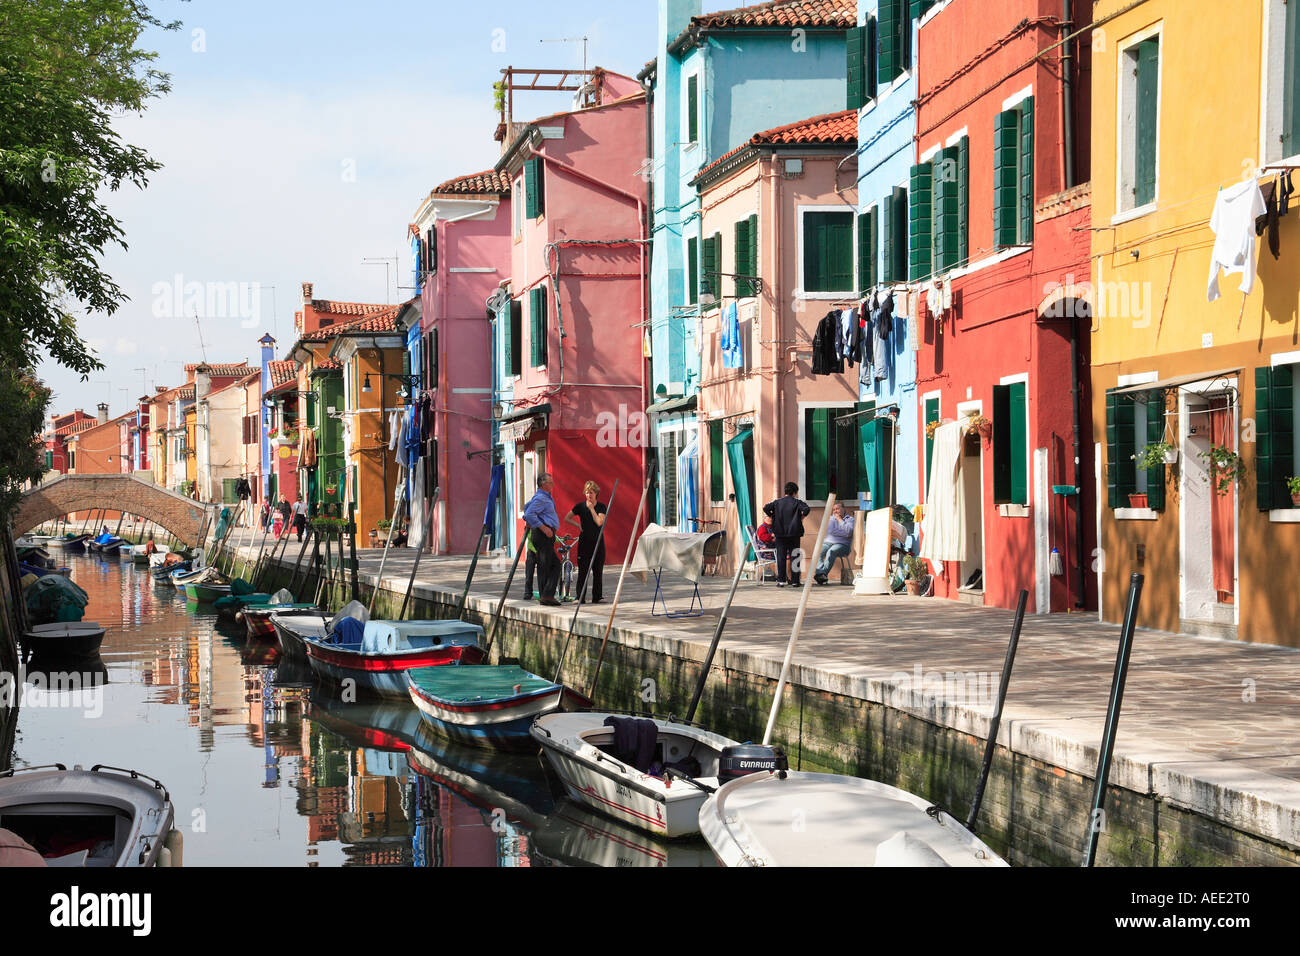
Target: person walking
{"x":299,"y":516}
{"x":281,"y":519}
{"x":544,"y":524}
{"x":589,"y":515}
{"x":266,"y":513}
{"x":839,"y":542}
{"x":787,"y":514}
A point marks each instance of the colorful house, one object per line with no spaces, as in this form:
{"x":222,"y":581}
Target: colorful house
{"x":716,"y":79}
{"x":463,"y":229}
{"x":778,"y":224}
{"x":1193,"y":400}
{"x":280,"y":431}
{"x":997,"y":219}
{"x":569,"y":336}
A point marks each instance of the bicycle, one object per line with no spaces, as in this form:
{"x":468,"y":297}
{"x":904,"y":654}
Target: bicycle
{"x":567,"y":568}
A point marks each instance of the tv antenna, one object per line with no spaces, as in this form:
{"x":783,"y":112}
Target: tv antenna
{"x":389,"y":262}
{"x":199,"y":326}
{"x":582,"y":40}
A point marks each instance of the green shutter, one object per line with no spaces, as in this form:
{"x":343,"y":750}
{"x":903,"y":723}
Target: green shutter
{"x":1291,"y":87}
{"x":1147,"y":122}
{"x":944,"y":236}
{"x":1025,"y":156}
{"x":1001,"y":444}
{"x":1265,"y":475}
{"x":890,"y":57}
{"x":534,"y":198}
{"x":963,"y":201}
{"x":816,"y":452}
{"x":717,"y":454}
{"x":752,"y":287}
{"x":740,"y":245}
{"x":848,"y":454}
{"x":1006,"y":177}
{"x":1283,"y":430}
{"x":867,"y":238}
{"x":693,"y":109}
{"x":692,"y":270}
{"x":887,"y":261}
{"x":1121,"y":446}
{"x":855,"y":42}
{"x":816,"y":270}
{"x":869,"y":61}
{"x":538,"y":331}
{"x":1112,"y":451}
{"x":1155,"y":402}
{"x":931,"y":415}
{"x":709,"y":264}
{"x":900,"y":234}
{"x":919,"y":225}
{"x":864,"y":485}
{"x":514,"y":336}
{"x":1019,"y":435}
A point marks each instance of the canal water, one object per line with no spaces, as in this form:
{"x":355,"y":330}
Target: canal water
{"x":266,"y":769}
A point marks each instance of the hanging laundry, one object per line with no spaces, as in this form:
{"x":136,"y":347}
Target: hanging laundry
{"x":882,"y":321}
{"x":855,"y":337}
{"x":307,"y":448}
{"x":865,"y":349}
{"x":844,"y":337}
{"x":825,"y":361}
{"x":396,"y":422}
{"x":1233,"y":224}
{"x":732,"y":357}
{"x":934,"y":299}
{"x":1277,"y":201}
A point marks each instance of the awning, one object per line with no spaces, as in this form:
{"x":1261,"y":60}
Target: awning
{"x":516,"y":426}
{"x":684,"y":404}
{"x":1175,"y":382}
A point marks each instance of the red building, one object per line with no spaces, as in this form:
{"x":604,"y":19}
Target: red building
{"x":56,"y":438}
{"x":998,"y":239}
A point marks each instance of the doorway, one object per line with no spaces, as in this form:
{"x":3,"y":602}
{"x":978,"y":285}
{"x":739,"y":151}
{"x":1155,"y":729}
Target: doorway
{"x":972,"y":479}
{"x":1208,"y":552}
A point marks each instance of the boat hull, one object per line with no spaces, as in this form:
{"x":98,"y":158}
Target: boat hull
{"x":70,"y":638}
{"x":382,"y":674}
{"x":501,"y":723}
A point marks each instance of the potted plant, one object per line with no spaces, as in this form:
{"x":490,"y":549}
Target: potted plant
{"x":913,"y":570}
{"x":1156,"y":454}
{"x":977,"y":424}
{"x":931,"y":428}
{"x":1226,"y":467}
{"x":1137,"y":500}
{"x":1293,"y":486}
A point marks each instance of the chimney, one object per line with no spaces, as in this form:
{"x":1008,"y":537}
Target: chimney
{"x":202,"y":382}
{"x":306,"y":293}
{"x":159,"y":389}
{"x":101,"y":410}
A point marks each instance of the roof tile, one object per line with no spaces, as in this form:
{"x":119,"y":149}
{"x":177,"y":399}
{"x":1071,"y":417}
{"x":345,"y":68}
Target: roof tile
{"x":829,"y":129}
{"x":282,"y":372}
{"x":487,"y":183}
{"x":784,"y":13}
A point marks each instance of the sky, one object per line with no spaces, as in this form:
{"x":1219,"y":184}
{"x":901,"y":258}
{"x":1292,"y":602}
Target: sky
{"x":297,"y":141}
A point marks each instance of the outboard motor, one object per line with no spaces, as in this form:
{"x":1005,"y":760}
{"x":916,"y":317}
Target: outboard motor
{"x":744,"y":759}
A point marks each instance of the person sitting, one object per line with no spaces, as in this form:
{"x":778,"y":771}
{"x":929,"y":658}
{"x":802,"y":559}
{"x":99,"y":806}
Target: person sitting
{"x":763,"y":535}
{"x":838,"y":543}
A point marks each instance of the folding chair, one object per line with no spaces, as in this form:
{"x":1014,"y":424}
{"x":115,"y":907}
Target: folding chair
{"x":763,"y":557}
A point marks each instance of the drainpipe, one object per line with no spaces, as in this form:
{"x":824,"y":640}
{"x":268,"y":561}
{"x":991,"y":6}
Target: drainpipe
{"x":1067,"y":90}
{"x":1082,"y":600}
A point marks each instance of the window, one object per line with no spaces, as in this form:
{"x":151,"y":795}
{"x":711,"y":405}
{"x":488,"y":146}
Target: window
{"x":1010,"y":445}
{"x":950,"y":208}
{"x":919,"y":221}
{"x":431,"y":250}
{"x":1013,"y":175}
{"x":432,"y":383}
{"x":895,"y":237}
{"x":1281,"y":105}
{"x":860,"y":48}
{"x":534,"y":191}
{"x":1133,"y":421}
{"x":827,"y":252}
{"x":1139,"y":86}
{"x":711,"y":264}
{"x":537,"y":331}
{"x":894,"y":40}
{"x":746,"y":249}
{"x":671,"y":444}
{"x":833,"y":458}
{"x":693,"y":110}
{"x":519,"y":207}
{"x":692,"y":270}
{"x":49,"y":460}
{"x":931,"y":415}
{"x":513,"y":329}
{"x":868,"y":245}
{"x":1276,"y":445}
{"x":717,"y":465}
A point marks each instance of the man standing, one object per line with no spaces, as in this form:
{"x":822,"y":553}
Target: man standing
{"x":787,"y":524}
{"x":299,"y":516}
{"x":839,"y":542}
{"x":543,"y":524}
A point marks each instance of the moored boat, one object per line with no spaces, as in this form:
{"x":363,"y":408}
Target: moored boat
{"x":843,"y":821}
{"x":101,"y":817}
{"x":207,"y":590}
{"x":293,"y":627}
{"x":635,"y":769}
{"x":483,"y":705}
{"x":65,"y":637}
{"x":74,"y":543}
{"x":257,"y":618}
{"x":377,"y":654}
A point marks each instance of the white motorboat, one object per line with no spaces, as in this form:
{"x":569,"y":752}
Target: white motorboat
{"x":818,"y":819}
{"x":651,"y":789}
{"x":101,"y":817}
{"x":292,"y":626}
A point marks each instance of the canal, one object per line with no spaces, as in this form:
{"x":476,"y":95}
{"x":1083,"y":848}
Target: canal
{"x":266,"y":769}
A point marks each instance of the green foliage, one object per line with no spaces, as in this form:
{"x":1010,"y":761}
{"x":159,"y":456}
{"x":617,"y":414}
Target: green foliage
{"x":499,"y":96}
{"x":1226,"y":467}
{"x":22,"y":455}
{"x":1293,"y":485}
{"x":66,"y":68}
{"x":913,"y":567}
{"x":1153,"y":455}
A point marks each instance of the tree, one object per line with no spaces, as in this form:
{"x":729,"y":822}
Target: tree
{"x":23,"y":400}
{"x":66,"y":67}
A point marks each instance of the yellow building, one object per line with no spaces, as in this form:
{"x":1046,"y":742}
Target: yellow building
{"x":1188,"y":140}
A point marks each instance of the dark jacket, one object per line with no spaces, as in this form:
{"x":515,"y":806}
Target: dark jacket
{"x":787,"y":516}
{"x":825,"y":361}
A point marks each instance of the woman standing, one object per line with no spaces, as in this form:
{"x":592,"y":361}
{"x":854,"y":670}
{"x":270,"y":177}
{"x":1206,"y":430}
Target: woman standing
{"x":589,"y":515}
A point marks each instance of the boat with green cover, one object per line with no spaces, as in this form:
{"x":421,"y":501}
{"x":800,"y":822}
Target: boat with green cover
{"x":483,"y":705}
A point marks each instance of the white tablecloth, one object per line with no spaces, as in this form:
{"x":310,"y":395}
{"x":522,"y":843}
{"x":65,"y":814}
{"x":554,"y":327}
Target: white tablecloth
{"x":677,"y":551}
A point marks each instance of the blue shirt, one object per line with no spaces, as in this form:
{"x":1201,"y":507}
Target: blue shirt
{"x":840,"y":531}
{"x":541,"y":511}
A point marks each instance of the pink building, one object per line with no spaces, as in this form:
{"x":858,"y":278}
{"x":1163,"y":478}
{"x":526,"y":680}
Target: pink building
{"x":464,"y":232}
{"x":778,"y":253}
{"x":573,"y":362}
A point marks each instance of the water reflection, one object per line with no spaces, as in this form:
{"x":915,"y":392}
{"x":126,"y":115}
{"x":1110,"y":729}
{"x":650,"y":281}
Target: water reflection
{"x":266,"y":769}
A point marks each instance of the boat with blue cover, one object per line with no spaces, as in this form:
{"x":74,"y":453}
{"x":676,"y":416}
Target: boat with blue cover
{"x":376,"y":655}
{"x":484,"y":705}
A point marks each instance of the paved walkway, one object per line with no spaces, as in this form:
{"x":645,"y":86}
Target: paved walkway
{"x":1208,"y":724}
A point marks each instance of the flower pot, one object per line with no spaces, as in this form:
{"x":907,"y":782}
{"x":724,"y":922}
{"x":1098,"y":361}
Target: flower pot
{"x":913,"y":587}
{"x":374,"y":539}
{"x":1171,"y":456}
{"x":1295,"y":500}
{"x":1137,"y":501}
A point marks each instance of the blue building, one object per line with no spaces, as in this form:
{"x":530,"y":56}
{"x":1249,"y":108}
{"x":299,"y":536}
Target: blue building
{"x":716,"y":80}
{"x":881,"y":82}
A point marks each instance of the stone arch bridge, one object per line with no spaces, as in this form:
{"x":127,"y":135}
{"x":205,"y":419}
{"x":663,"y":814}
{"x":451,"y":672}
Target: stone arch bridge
{"x":66,"y":494}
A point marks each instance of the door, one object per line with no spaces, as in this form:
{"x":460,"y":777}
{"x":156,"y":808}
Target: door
{"x":972,"y":477}
{"x":1208,"y":555}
